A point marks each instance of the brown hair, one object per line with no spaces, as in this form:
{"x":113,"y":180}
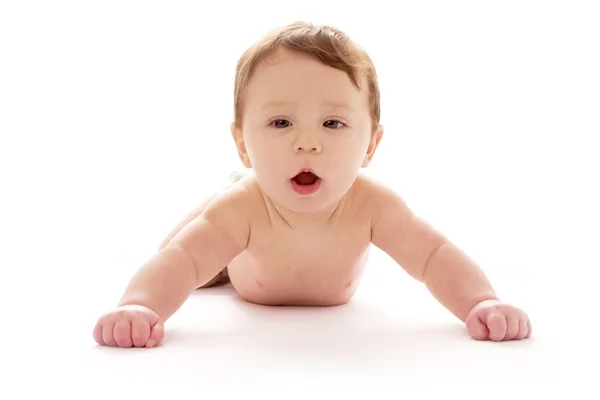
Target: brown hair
{"x":328,"y":44}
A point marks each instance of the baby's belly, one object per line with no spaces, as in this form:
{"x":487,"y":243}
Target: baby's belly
{"x":294,"y":279}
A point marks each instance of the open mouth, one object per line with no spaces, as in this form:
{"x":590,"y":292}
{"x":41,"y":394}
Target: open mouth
{"x":306,"y":182}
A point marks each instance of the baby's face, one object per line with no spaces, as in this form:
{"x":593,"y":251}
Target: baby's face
{"x":302,"y":115}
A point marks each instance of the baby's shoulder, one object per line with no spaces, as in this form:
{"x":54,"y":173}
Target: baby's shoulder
{"x":373,"y":191}
{"x":240,"y":197}
{"x":376,"y":198}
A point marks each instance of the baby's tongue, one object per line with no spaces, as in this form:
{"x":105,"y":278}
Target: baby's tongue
{"x":305,"y":178}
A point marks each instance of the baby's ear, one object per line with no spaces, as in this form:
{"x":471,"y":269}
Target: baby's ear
{"x":373,"y":144}
{"x":238,"y":138}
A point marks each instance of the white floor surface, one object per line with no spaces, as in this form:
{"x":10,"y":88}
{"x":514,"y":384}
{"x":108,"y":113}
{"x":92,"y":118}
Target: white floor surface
{"x":393,"y":337}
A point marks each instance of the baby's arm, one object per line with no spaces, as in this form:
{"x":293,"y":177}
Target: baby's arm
{"x":199,"y":251}
{"x":426,"y":255}
{"x":451,"y":276}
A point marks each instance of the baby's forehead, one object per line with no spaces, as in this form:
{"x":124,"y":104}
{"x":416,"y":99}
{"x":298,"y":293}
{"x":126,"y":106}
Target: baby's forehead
{"x":289,"y":82}
{"x":330,"y":104}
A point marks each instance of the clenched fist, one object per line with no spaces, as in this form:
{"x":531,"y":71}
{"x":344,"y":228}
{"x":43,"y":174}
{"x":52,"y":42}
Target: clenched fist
{"x":129,"y":326}
{"x":497,"y":321}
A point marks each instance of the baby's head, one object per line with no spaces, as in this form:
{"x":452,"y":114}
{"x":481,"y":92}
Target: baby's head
{"x":306,"y":97}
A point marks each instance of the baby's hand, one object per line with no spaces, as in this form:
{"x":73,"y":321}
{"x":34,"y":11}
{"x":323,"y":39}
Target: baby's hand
{"x":497,"y":321}
{"x":129,"y":326}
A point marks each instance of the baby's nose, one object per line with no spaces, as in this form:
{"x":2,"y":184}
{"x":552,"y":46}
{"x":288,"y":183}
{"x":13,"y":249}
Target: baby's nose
{"x":309,"y":148}
{"x":308,"y":143}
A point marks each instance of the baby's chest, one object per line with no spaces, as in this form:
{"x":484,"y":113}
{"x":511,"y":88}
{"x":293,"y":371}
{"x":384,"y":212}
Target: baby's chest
{"x":327,"y":251}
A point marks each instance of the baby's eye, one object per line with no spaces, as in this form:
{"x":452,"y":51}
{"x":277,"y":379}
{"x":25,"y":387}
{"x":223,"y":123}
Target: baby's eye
{"x":280,"y":123}
{"x":332,"y":124}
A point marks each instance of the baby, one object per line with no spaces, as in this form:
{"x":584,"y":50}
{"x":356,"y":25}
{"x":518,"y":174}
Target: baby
{"x":297,"y":230}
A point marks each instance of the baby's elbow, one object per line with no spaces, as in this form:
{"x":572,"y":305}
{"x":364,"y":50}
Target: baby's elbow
{"x":427,"y":269}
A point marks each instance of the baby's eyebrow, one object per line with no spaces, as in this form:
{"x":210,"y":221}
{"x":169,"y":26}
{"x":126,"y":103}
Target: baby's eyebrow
{"x":326,"y":104}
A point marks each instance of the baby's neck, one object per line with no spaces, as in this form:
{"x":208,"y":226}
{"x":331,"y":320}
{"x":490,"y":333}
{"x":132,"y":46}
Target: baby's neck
{"x":298,"y":220}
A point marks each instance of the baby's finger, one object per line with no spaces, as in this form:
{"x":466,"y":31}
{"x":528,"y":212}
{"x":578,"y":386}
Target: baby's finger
{"x":122,"y":332}
{"x":497,"y":324}
{"x":512,"y":328}
{"x":528,"y":328}
{"x":107,"y":332}
{"x":476,"y":328}
{"x":522,"y":328}
{"x":157,"y":335}
{"x":140,"y":331}
{"x":98,"y":334}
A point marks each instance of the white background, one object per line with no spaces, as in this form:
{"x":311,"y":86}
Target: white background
{"x":114,"y":121}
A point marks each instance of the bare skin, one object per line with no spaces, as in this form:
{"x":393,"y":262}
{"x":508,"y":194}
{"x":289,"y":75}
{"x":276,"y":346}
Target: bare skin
{"x":223,"y":276}
{"x":281,"y":245}
{"x":277,"y":260}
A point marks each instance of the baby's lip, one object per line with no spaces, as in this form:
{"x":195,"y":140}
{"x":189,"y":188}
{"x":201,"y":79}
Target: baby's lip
{"x":306,"y":170}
